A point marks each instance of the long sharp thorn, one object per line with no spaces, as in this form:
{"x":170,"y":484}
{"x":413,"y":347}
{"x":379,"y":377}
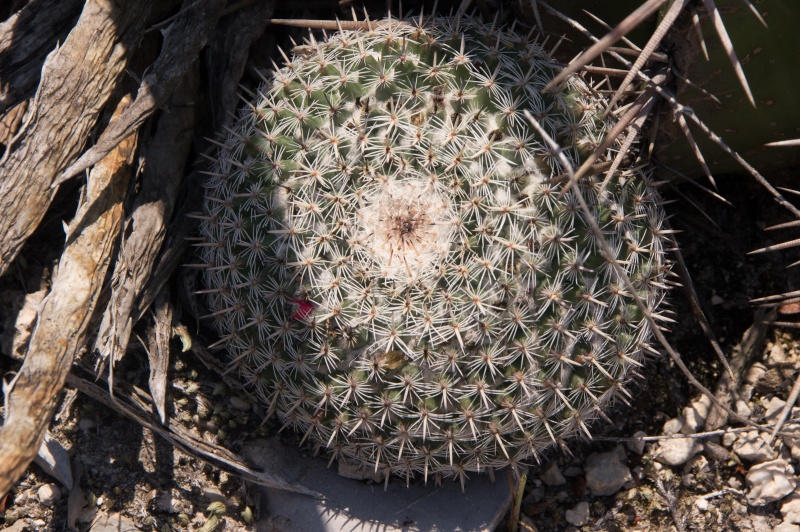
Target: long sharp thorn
{"x":623,"y":28}
{"x":662,"y":29}
{"x":695,"y":149}
{"x":537,"y":16}
{"x":777,"y":247}
{"x":719,"y":25}
{"x":608,"y":28}
{"x":755,"y":12}
{"x":699,"y":31}
{"x":786,"y":225}
{"x":784,"y":143}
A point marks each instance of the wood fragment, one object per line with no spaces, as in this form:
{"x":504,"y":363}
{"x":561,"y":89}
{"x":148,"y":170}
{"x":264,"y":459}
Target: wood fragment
{"x":26,"y":38}
{"x":158,"y":336}
{"x":183,"y":40}
{"x":77,"y":80}
{"x":63,"y":323}
{"x":11,"y":122}
{"x":164,"y":156}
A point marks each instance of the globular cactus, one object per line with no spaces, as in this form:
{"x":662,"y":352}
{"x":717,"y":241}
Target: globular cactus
{"x":392,"y":263}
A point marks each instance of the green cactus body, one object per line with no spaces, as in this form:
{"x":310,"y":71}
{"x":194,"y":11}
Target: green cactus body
{"x":390,"y":263}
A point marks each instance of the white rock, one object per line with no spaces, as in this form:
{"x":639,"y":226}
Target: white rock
{"x":673,"y":426}
{"x":786,"y":527}
{"x":551,"y":475}
{"x":790,"y":509}
{"x":606,"y":472}
{"x":695,"y":415}
{"x":769,"y":482}
{"x":792,"y":443}
{"x":754,"y":374}
{"x":777,"y":355}
{"x":677,"y":451}
{"x":774,"y":407}
{"x":579,"y":515}
{"x":751,"y":446}
{"x":48,"y":494}
{"x":701,"y":503}
{"x":728,"y":438}
{"x":637,"y":444}
{"x":743,"y":409}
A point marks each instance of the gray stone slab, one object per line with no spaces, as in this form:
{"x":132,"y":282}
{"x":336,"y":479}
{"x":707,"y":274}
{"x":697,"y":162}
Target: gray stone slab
{"x":358,"y":506}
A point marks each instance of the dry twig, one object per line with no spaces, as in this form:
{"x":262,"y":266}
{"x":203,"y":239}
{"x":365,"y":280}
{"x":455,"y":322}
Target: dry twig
{"x":183,"y":40}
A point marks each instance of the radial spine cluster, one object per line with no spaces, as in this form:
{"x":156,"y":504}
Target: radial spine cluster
{"x":392,"y":264}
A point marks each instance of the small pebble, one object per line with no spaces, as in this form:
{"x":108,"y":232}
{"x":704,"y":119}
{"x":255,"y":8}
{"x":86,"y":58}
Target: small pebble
{"x":716,"y":451}
{"x":677,"y":451}
{"x":672,"y":426}
{"x":750,"y":446}
{"x":774,"y":407}
{"x":551,"y":475}
{"x":728,"y":438}
{"x":717,"y":300}
{"x":169,"y":502}
{"x":777,"y":355}
{"x":695,"y":415}
{"x":48,"y":494}
{"x":769,"y":482}
{"x":701,"y":503}
{"x":607,"y":472}
{"x":579,"y":515}
{"x":637,"y":444}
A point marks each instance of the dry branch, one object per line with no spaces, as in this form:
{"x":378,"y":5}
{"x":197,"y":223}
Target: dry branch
{"x":227,"y":53}
{"x":65,"y":313}
{"x":133,"y":406}
{"x":77,"y":80}
{"x":164,"y":157}
{"x":25,"y":40}
{"x":183,"y":40}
